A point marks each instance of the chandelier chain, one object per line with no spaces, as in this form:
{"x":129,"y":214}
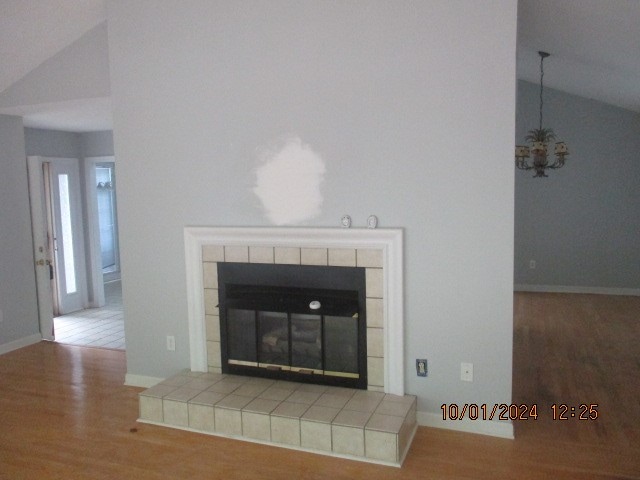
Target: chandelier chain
{"x":541,"y":77}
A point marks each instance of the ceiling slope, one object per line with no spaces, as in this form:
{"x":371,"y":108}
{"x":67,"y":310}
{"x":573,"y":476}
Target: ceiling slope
{"x":70,"y":91}
{"x":32,"y":31}
{"x":594,"y":46}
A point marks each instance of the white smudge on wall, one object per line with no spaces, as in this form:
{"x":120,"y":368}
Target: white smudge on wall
{"x":288,"y":182}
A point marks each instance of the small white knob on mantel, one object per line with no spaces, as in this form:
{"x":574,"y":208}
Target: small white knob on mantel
{"x":315,"y":305}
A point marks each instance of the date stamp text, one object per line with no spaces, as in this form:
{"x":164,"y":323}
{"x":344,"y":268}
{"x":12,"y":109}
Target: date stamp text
{"x":513,"y":411}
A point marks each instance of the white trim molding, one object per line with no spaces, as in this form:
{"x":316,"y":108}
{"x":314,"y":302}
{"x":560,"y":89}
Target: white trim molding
{"x":390,"y":241}
{"x":20,"y":343}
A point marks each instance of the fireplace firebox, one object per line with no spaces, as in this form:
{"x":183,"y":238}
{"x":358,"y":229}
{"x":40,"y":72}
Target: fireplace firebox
{"x":294,"y":322}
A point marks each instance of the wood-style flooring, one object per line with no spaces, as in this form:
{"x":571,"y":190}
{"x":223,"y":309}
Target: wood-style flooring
{"x":64,"y":413}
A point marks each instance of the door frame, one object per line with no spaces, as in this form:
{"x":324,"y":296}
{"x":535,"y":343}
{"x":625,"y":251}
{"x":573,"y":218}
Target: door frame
{"x":95,"y":279}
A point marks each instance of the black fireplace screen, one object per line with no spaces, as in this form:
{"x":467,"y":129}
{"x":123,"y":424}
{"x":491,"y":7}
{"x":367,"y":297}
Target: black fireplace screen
{"x":308,"y":334}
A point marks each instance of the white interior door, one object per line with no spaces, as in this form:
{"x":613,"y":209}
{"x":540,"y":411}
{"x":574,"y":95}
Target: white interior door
{"x":68,"y":237}
{"x":42,"y":254}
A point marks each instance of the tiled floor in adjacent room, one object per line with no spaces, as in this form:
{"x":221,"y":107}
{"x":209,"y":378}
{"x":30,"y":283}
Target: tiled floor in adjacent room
{"x":95,"y":327}
{"x":359,"y":424}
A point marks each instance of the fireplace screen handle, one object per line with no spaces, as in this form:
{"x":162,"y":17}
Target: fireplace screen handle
{"x":315,"y":305}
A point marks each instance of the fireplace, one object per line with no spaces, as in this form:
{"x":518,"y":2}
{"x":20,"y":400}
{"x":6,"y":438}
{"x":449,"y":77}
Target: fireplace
{"x":294,"y":322}
{"x":378,"y":251}
{"x":376,"y":425}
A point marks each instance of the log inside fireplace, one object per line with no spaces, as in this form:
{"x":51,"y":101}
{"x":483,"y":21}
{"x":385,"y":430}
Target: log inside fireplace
{"x":293,"y":322}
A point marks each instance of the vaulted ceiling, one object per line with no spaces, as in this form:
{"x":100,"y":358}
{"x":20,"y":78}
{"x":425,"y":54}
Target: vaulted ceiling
{"x":32,"y":31}
{"x":594,"y":46}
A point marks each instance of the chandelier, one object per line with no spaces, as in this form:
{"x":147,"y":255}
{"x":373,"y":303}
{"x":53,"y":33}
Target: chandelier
{"x":539,"y":139}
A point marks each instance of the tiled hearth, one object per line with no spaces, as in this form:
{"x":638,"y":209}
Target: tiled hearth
{"x":362,"y":425}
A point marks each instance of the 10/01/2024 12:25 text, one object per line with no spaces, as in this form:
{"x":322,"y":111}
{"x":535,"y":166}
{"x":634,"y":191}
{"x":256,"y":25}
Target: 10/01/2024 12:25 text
{"x":503,"y":411}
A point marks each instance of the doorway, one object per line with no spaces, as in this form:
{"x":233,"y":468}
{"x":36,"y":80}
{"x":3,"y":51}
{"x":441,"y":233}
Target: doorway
{"x":74,"y":221}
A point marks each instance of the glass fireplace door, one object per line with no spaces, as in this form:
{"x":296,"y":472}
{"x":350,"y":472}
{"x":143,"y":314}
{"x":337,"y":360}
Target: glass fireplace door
{"x":241,"y":335}
{"x":302,"y":343}
{"x":306,"y":343}
{"x":290,"y":333}
{"x":273,"y":340}
{"x":341,"y":346}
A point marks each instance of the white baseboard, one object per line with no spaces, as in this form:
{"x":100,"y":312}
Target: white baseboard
{"x":21,"y":342}
{"x":633,"y":292}
{"x":143,"y":381}
{"x":493,"y":428}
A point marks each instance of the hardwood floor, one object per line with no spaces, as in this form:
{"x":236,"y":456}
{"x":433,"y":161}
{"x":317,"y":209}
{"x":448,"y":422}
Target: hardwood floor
{"x":64,"y":413}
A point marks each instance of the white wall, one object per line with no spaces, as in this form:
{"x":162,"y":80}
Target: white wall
{"x":18,"y":301}
{"x":411,"y":120}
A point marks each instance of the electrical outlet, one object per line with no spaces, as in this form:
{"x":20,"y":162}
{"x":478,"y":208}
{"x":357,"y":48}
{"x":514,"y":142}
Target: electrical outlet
{"x":171,"y":343}
{"x":466,"y":372}
{"x":421,"y":367}
{"x":532,"y":264}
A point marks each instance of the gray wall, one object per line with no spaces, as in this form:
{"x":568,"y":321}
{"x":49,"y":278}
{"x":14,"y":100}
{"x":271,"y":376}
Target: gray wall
{"x":54,"y":143}
{"x":96,"y":144}
{"x":581,"y":224}
{"x":18,"y":300}
{"x":397,"y":99}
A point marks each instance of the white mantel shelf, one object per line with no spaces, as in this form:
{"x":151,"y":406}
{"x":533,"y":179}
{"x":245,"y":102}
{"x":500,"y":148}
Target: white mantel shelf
{"x":390,"y":241}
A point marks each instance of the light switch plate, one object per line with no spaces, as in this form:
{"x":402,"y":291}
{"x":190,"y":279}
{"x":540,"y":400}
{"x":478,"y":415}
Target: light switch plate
{"x":421,"y":367}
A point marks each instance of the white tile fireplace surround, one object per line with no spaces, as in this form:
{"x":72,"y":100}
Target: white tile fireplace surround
{"x":377,"y":250}
{"x":375,"y":425}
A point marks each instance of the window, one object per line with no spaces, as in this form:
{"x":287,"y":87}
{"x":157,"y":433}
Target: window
{"x":107,"y":219}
